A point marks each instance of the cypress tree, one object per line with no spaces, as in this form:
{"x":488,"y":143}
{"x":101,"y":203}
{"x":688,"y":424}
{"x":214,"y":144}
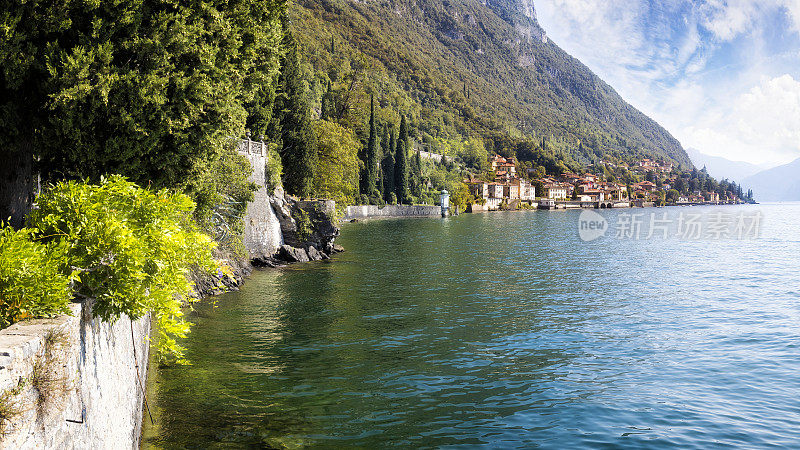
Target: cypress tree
{"x":387,"y":164}
{"x":298,"y":149}
{"x":326,"y":109}
{"x":379,"y":181}
{"x":371,"y":163}
{"x":385,"y":141}
{"x":392,"y":143}
{"x":417,"y":174}
{"x":404,"y":132}
{"x":401,"y":163}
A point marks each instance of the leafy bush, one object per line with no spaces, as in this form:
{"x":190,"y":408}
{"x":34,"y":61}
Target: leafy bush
{"x":305,"y":226}
{"x":336,"y":174}
{"x":227,"y":188}
{"x":31,"y":284}
{"x":129,"y":248}
{"x":274,"y":169}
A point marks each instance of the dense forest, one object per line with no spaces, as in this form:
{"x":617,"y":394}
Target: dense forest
{"x":462,"y":69}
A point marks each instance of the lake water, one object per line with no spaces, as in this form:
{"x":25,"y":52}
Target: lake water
{"x":502,"y":330}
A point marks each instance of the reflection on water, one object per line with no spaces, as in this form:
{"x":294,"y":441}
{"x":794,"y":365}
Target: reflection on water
{"x":503,"y":330}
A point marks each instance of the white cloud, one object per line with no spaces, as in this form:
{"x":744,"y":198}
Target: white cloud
{"x":612,"y":37}
{"x":708,"y":71}
{"x":763,"y":126}
{"x":728,"y":19}
{"x":792,"y":8}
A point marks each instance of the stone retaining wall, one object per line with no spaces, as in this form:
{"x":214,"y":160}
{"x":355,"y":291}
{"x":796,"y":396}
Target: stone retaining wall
{"x":373,"y":211}
{"x":72,"y":382}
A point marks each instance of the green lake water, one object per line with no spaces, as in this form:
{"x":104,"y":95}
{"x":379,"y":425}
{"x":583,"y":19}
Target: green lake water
{"x":501,"y":330}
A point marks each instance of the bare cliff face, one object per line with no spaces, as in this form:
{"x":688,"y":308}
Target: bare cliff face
{"x":528,"y":9}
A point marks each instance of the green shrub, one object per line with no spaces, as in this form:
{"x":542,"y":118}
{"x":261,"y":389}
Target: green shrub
{"x":305,"y":226}
{"x":274,"y":169}
{"x":129,"y":248}
{"x":31,"y":284}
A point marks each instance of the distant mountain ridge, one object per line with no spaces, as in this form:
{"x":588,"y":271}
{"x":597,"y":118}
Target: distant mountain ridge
{"x":721,"y":167}
{"x":481,"y":67}
{"x":777,"y":184}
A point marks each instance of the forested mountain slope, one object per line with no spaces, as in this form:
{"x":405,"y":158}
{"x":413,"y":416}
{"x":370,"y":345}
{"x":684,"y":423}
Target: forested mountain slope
{"x":471,"y":68}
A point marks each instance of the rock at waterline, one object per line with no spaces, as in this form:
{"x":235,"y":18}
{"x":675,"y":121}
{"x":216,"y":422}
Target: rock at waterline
{"x":292,"y":254}
{"x":314,"y":254}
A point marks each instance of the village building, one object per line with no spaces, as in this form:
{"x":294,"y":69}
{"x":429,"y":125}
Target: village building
{"x":527,"y":191}
{"x":644,"y":186}
{"x":555,"y":191}
{"x":506,"y":186}
{"x":511,"y":191}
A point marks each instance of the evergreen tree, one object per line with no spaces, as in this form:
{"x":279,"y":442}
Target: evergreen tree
{"x":298,"y":142}
{"x":404,"y":132}
{"x":387,"y":163}
{"x":392,"y":143}
{"x":370,"y":174}
{"x":379,"y":182}
{"x":385,"y":141}
{"x":416,"y":170}
{"x":145,"y":89}
{"x":401,"y":163}
{"x":327,"y":107}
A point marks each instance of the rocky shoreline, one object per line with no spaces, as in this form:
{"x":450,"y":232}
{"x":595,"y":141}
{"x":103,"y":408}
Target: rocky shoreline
{"x":307,"y":229}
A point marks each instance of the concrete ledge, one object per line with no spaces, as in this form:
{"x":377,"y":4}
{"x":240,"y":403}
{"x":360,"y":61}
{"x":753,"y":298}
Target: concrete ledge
{"x":71,"y":381}
{"x":374,"y":211}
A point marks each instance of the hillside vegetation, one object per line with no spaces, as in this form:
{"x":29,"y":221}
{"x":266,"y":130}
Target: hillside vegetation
{"x":462,"y":69}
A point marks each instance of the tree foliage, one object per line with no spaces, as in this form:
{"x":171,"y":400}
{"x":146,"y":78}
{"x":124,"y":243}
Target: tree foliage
{"x":293,"y":106}
{"x":336,"y":174}
{"x":387,"y":163}
{"x":401,"y":164}
{"x":369,"y":175}
{"x":472,"y":69}
{"x":149,"y":89}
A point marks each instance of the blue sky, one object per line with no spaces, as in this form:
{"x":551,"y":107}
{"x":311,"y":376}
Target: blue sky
{"x":722,"y":76}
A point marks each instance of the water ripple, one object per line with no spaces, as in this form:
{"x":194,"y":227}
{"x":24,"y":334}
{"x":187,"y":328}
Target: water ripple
{"x":501,"y":331}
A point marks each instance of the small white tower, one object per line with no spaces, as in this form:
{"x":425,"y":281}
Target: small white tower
{"x":445,"y":202}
